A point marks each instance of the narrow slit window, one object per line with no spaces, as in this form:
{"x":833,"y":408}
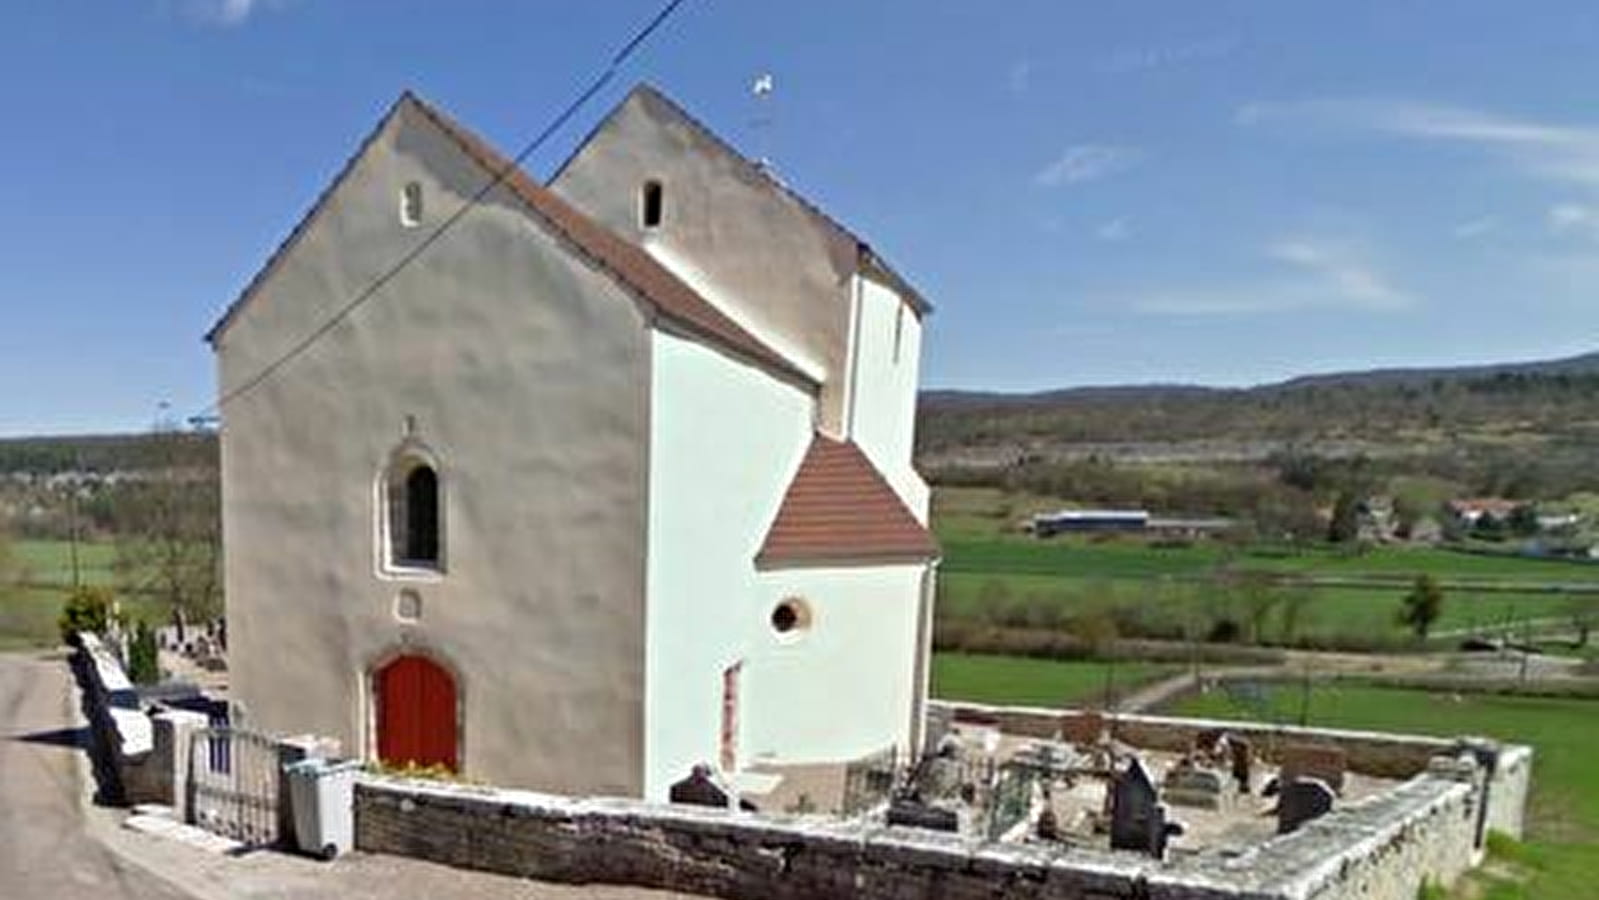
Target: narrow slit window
{"x":411,"y":204}
{"x":899,"y":328}
{"x":651,"y":203}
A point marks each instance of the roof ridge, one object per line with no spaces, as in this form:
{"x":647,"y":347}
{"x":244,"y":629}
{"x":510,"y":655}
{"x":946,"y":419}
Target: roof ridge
{"x":625,"y":262}
{"x":862,"y":248}
{"x":628,"y":265}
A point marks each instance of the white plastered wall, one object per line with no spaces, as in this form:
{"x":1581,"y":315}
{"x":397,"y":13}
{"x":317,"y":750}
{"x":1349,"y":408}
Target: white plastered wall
{"x":843,"y":686}
{"x":882,"y":391}
{"x":725,"y":440}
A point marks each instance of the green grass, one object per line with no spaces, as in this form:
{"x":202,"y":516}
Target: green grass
{"x":28,"y":613}
{"x":1133,"y":558}
{"x":1560,"y":857}
{"x":1017,"y":681}
{"x":50,"y":562}
{"x":1330,"y":613}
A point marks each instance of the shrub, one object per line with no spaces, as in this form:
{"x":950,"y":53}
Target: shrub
{"x":144,"y":663}
{"x":87,"y":609}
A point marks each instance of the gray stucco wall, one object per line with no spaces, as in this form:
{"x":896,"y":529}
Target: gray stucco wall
{"x":726,"y":230}
{"x":526,"y":374}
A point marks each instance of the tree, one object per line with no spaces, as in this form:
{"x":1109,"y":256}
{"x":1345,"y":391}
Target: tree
{"x":1523,"y":520}
{"x":1345,"y":525}
{"x":1422,"y":606}
{"x":1583,"y":613}
{"x":169,"y":535}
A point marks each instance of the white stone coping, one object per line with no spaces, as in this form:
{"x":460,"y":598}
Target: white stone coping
{"x":1239,"y":725}
{"x":135,"y":733}
{"x":134,"y":730}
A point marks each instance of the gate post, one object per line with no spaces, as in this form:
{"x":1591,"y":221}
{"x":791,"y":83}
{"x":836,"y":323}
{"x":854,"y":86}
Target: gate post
{"x":292,"y":750}
{"x":171,"y":756}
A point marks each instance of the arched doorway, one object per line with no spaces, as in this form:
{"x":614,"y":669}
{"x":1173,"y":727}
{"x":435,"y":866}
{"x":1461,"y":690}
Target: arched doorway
{"x":416,"y":715}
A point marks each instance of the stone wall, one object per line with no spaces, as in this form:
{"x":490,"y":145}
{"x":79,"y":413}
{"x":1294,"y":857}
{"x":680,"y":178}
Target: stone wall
{"x":1380,"y":849}
{"x":1508,"y":788}
{"x":1369,"y":752}
{"x":138,"y":757}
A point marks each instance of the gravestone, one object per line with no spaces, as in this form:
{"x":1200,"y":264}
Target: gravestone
{"x":1082,"y":729}
{"x":1047,"y":828}
{"x":1189,"y":784}
{"x":1137,"y":819}
{"x":1243,"y":757}
{"x":1302,"y":799}
{"x":1323,"y":761}
{"x":701,"y":788}
{"x":913,"y":813}
{"x":939,"y":723}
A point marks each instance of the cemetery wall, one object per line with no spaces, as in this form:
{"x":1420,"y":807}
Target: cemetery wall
{"x":1383,"y":848}
{"x":1369,"y":753}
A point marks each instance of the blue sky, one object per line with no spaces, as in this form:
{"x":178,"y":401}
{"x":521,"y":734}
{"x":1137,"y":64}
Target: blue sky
{"x":1225,"y":192}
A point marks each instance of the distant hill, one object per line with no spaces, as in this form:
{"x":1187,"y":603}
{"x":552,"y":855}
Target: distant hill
{"x":1584,"y":364}
{"x":102,"y":453}
{"x":1515,"y":408}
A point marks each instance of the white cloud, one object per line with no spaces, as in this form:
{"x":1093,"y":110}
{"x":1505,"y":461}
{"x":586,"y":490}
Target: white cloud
{"x":1554,"y":151}
{"x":1574,"y":218}
{"x":228,"y":13}
{"x":1471,"y":229}
{"x":1324,"y":274}
{"x":1117,"y":229}
{"x":1087,"y":162}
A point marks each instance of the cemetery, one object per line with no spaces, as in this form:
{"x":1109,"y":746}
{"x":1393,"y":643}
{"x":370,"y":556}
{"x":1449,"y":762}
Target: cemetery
{"x":1019,"y":802}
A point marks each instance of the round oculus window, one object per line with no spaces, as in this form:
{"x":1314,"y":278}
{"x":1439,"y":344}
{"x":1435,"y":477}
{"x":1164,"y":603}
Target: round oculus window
{"x":791,"y":616}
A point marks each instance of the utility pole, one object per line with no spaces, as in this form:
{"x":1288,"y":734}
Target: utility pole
{"x":72,"y":518}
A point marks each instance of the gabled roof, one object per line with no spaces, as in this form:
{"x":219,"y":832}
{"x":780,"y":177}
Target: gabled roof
{"x":866,"y":258}
{"x":631,"y":267}
{"x":839,"y":508}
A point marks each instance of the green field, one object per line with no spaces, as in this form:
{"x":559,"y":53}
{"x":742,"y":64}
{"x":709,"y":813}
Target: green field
{"x":1333,"y":613}
{"x":1342,"y":598}
{"x":50,"y":562}
{"x":28,"y":612}
{"x":1036,"y":682}
{"x":1562,"y":852}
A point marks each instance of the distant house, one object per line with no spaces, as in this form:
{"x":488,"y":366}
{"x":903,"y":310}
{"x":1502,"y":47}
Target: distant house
{"x":1469,"y":512}
{"x":611,"y":481}
{"x":1069,"y":521}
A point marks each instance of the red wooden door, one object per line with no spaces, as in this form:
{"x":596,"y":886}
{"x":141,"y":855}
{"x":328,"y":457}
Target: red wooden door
{"x":416,"y":713}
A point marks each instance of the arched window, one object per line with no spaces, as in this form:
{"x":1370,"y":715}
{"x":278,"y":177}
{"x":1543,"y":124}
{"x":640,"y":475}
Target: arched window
{"x":651,"y":204}
{"x":414,"y":524}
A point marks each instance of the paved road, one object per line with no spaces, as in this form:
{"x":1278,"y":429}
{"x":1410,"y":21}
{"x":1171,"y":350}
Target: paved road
{"x":44,"y":848}
{"x":54,"y":846}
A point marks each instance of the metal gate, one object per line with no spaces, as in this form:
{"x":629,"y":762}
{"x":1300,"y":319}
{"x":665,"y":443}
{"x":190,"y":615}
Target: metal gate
{"x":233,"y":784}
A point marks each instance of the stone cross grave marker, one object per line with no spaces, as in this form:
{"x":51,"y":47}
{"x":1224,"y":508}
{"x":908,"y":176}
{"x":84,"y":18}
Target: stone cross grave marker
{"x":1302,"y":799}
{"x":1323,"y":761}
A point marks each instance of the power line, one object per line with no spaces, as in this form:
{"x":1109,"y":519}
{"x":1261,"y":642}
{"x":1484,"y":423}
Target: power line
{"x":595,"y":86}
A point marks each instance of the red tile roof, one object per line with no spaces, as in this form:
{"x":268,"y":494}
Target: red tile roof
{"x":840,"y":508}
{"x":628,"y":264}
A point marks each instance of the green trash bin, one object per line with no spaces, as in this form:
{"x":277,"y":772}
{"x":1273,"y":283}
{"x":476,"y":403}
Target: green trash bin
{"x":322,"y":798}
